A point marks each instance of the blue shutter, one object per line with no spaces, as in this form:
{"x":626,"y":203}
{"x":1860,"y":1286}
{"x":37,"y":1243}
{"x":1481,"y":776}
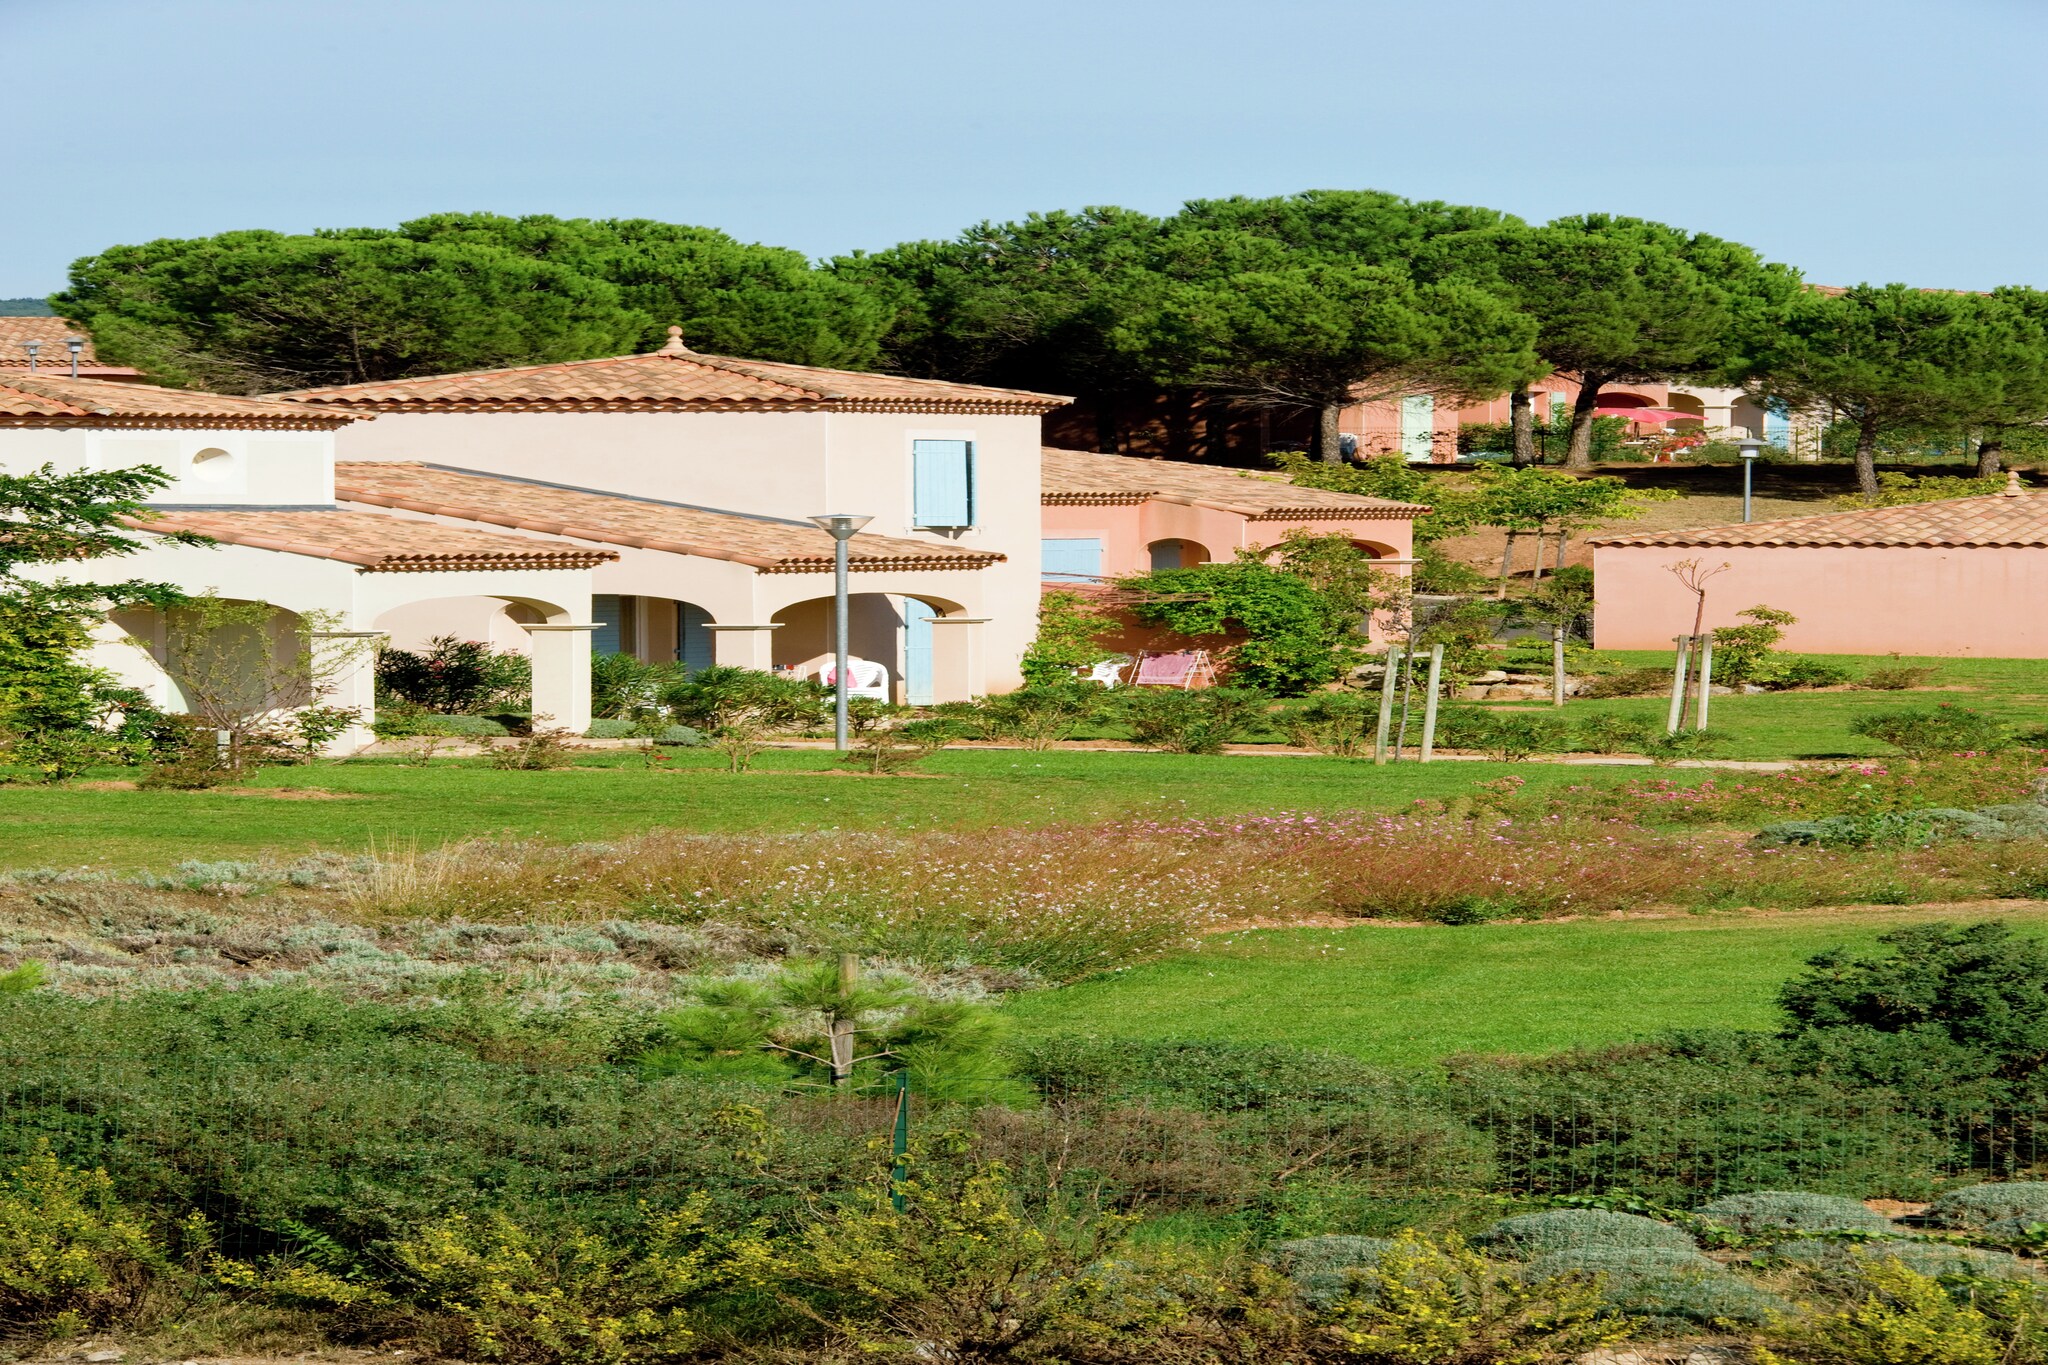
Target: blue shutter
{"x":1070,"y":560}
{"x":1778,"y":425}
{"x":606,"y":610}
{"x":693,"y":637}
{"x":942,"y":483}
{"x":918,"y":686}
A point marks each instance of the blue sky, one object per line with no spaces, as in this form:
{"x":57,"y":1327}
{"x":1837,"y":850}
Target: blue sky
{"x":1883,"y":140}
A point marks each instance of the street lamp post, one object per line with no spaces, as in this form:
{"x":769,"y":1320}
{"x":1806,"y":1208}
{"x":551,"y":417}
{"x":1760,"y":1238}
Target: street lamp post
{"x":841,"y":527}
{"x":1749,"y":447}
{"x":74,"y":345}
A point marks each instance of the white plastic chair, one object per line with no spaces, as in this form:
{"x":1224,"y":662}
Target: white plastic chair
{"x":1110,"y":672}
{"x":864,"y":678}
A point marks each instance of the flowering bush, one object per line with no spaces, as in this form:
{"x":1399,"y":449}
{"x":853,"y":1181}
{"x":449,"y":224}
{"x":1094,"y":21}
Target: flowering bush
{"x":70,"y":1254}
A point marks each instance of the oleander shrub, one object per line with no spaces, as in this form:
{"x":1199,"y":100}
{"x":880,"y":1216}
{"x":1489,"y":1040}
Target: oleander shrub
{"x":1767,"y":1211}
{"x":1976,"y":1206}
{"x":1535,"y":1234}
{"x":1927,"y":732}
{"x":1331,"y":1266}
{"x":1507,"y":735}
{"x":1666,"y":1285}
{"x":454,"y":676}
{"x":1344,"y":724}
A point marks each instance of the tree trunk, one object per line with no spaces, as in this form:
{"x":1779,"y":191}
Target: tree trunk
{"x":1579,"y":453}
{"x":1507,"y":565}
{"x":1989,"y":453}
{"x":1866,"y":456}
{"x":1563,"y":534}
{"x":1522,"y":425}
{"x":1329,"y":446}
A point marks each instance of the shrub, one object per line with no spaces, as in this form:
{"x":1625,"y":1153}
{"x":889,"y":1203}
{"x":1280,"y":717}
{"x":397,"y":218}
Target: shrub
{"x":602,"y":728}
{"x":896,"y":749}
{"x":1926,"y":732}
{"x":1329,"y":1267}
{"x":1836,"y":1259}
{"x":542,"y":750}
{"x":577,"y":1296}
{"x":1678,"y":746}
{"x":1192,"y":721}
{"x":1745,"y":654}
{"x":1341,"y":723}
{"x":1039,"y":716}
{"x":624,"y":688}
{"x":1665,"y":1284}
{"x":1515,"y":735}
{"x":1903,"y":1317}
{"x":1897,"y":677}
{"x":1910,"y":829}
{"x":1629,"y":682}
{"x":71,"y":1255}
{"x":1977,"y":1205}
{"x":1791,"y":1211}
{"x":1798,"y":673}
{"x":1612,"y":735}
{"x":1533,"y":1234}
{"x":1066,"y":641}
{"x":714,"y":698}
{"x":458,"y":676}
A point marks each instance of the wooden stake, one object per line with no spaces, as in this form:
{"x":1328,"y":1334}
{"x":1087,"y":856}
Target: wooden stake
{"x":1436,"y":675}
{"x":1678,"y":678}
{"x":1706,"y":679}
{"x":1379,"y":745}
{"x":842,"y":1021}
{"x":1557,"y":665}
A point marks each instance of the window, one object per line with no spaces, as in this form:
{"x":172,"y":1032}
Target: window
{"x":942,"y":484}
{"x":213,"y":465}
{"x":615,"y":618}
{"x":1071,"y":561}
{"x":694,"y":646}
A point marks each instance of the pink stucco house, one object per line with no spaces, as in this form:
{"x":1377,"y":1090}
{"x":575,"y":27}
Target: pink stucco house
{"x":1105,"y":516}
{"x":1966,"y":577}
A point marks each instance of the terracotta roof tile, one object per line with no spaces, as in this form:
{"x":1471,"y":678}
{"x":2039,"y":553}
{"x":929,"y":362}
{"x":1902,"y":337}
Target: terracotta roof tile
{"x":377,"y":542}
{"x":1083,"y":478}
{"x":1999,"y":519}
{"x":54,"y":356}
{"x":767,"y":544}
{"x":44,"y":399}
{"x":675,"y":379}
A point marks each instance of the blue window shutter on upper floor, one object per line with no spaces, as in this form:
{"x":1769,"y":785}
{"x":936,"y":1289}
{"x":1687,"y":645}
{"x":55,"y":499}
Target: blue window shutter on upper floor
{"x":942,"y":483}
{"x":1070,"y":560}
{"x":605,"y":610}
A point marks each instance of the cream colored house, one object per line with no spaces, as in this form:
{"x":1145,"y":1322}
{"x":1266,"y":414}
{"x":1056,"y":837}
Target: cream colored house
{"x":699,"y":472}
{"x":257,"y":478}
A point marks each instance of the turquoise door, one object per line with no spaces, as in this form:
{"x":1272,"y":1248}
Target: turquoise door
{"x":917,"y":651}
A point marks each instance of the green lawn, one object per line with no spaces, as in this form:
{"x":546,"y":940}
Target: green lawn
{"x":390,"y":803}
{"x":1776,"y":725}
{"x":1407,"y":996}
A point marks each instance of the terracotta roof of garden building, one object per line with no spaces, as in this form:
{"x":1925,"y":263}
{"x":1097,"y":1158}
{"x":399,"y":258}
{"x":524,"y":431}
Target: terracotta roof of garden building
{"x":1082,"y":478}
{"x":677,"y":379}
{"x":770,"y":544}
{"x":377,"y":542}
{"x":54,"y":357}
{"x":2013,"y":518}
{"x":43,"y":399}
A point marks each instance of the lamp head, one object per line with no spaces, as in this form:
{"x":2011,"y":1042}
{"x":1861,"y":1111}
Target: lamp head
{"x":840,"y":525}
{"x":1748,"y":447}
{"x":74,"y":344}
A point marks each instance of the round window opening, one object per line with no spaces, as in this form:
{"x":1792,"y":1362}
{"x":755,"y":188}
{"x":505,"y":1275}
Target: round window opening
{"x":213,"y":465}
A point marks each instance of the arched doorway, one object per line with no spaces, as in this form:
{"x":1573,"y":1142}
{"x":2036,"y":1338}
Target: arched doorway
{"x":1176,"y":554}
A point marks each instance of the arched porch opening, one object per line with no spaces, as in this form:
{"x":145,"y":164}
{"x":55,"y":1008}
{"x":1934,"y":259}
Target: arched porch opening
{"x":926,"y":643}
{"x":554,"y":641}
{"x":1177,"y":553}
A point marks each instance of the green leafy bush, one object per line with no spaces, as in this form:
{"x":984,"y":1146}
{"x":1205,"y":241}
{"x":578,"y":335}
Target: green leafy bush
{"x":1666,"y":1285}
{"x":71,"y":1254}
{"x":1068,"y":626}
{"x":1290,"y":636}
{"x":1899,"y":1315}
{"x":1788,"y":674}
{"x":1927,"y":732}
{"x":454,"y":676}
{"x":1627,"y":682}
{"x":1975,"y":1206}
{"x":1534,"y":1234}
{"x":1613,"y":735}
{"x":1910,"y":829}
{"x":1769,"y":1211}
{"x":603,"y":728}
{"x":624,"y":688}
{"x":1744,"y":654}
{"x":1510,"y":736}
{"x":713,"y":699}
{"x":1191,"y":721}
{"x":1345,"y":724}
{"x":1676,"y":746}
{"x":1035,"y":717}
{"x":1897,"y":677}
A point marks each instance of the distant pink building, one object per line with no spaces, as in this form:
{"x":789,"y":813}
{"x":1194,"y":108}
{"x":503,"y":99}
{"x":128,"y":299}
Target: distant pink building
{"x":1106,"y":516}
{"x":1966,"y":577}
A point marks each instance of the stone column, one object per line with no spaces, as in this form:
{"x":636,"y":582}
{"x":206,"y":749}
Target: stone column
{"x":561,"y":675}
{"x":958,"y":673}
{"x":744,"y":646}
